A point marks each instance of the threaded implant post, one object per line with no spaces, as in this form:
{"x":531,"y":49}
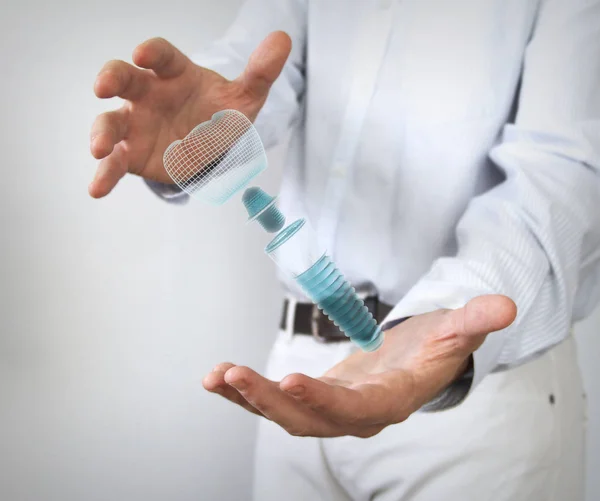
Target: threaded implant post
{"x":332,"y":293}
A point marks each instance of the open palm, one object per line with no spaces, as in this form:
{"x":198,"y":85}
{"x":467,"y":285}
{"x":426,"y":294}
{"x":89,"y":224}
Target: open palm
{"x":166,"y":95}
{"x":368,"y":391}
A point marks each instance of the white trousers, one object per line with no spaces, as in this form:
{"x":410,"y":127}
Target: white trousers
{"x":518,"y":437}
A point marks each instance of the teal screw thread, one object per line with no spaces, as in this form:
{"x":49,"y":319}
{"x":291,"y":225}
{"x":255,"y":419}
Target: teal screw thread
{"x":332,"y":293}
{"x":271,"y":219}
{"x":261,"y":206}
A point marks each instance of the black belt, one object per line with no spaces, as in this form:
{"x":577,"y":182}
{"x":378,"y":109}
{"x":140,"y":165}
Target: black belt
{"x":309,"y":320}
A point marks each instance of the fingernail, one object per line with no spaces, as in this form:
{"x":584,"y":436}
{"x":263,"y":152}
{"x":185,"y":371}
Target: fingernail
{"x":296,"y":390}
{"x":240,"y":384}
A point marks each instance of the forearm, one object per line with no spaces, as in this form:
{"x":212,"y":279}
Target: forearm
{"x":536,"y":236}
{"x":526,"y":239}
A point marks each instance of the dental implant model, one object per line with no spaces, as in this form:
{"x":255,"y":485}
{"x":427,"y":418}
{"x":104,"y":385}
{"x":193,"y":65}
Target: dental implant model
{"x":219,"y":158}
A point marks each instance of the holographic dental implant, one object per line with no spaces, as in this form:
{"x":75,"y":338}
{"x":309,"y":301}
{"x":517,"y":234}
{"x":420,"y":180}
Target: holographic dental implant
{"x":218,"y":159}
{"x":294,"y":249}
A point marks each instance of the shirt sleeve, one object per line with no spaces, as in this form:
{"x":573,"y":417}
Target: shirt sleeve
{"x":229,"y":55}
{"x":535,"y":237}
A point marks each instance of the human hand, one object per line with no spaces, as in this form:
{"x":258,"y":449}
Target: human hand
{"x":366,"y":392}
{"x":166,"y":96}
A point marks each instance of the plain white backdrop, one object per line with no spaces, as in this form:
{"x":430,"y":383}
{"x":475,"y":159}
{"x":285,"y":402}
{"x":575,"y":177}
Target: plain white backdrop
{"x":112,"y":311}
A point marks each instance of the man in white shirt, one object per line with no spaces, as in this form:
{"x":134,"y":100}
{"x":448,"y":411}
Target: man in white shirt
{"x":449,"y":155}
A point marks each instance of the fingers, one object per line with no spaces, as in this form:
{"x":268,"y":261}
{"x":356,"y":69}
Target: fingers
{"x":318,"y":409}
{"x":161,"y":57}
{"x":265,"y":64}
{"x":108,"y":129}
{"x":277,"y":405}
{"x":215,"y":383}
{"x":223,"y":367}
{"x":336,"y":402}
{"x":110,"y":170}
{"x":364,"y":405}
{"x":117,"y":78}
{"x":215,"y":379}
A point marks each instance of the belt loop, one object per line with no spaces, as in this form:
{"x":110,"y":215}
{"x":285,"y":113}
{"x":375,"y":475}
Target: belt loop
{"x":290,"y":319}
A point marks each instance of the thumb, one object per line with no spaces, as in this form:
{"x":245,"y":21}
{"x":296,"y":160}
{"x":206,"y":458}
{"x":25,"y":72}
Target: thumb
{"x":485,"y":314}
{"x":265,"y":64}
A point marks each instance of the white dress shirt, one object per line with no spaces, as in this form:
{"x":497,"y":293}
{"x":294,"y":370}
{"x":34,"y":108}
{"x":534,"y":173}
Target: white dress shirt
{"x":477,"y":165}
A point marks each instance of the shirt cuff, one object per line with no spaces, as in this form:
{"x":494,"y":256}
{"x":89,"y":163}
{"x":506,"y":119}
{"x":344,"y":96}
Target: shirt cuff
{"x":427,"y":296}
{"x":168,"y":192}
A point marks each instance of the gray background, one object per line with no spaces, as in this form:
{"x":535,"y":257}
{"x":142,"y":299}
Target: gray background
{"x":112,"y":311}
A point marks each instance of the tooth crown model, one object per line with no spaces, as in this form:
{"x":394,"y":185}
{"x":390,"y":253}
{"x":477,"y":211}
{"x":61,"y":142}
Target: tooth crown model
{"x":219,"y":158}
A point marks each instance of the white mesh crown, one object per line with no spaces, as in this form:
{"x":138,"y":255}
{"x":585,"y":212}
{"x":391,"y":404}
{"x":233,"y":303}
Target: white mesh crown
{"x":217,"y":158}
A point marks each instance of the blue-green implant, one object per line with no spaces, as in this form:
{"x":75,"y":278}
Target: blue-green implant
{"x":324,"y":284}
{"x":261,"y":206}
{"x":218,"y":159}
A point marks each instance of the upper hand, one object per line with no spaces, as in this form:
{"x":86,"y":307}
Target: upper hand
{"x":369,"y":391}
{"x":166,"y":96}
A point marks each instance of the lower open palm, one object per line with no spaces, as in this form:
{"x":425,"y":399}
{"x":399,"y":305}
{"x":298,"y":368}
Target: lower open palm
{"x":368,"y":391}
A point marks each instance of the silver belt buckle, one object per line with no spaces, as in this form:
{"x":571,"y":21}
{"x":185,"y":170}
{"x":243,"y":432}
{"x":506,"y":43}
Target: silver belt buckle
{"x":314,"y":324}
